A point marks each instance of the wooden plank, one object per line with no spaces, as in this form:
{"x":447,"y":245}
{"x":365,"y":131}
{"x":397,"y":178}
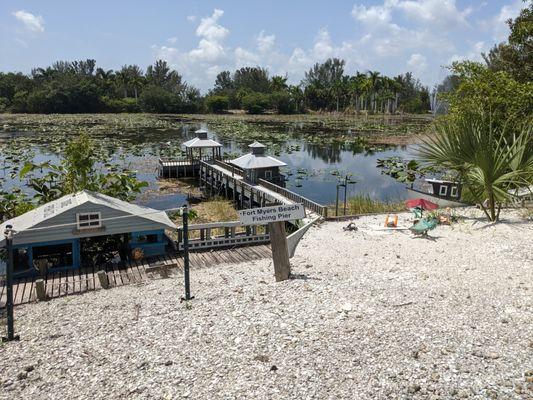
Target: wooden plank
{"x":280,"y":252}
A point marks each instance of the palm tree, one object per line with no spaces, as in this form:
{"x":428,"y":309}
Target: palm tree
{"x":490,"y":161}
{"x":374,"y":80}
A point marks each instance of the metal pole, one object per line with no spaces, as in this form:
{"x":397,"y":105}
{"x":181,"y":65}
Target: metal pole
{"x":345,"y":190}
{"x":185,"y":215}
{"x":337,"y":202}
{"x":9,"y":277}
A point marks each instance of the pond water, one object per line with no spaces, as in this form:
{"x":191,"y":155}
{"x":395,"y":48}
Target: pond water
{"x":315,"y":160}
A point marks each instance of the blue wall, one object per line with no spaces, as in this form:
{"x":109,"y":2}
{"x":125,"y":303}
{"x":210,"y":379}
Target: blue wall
{"x":155,"y":248}
{"x":32,"y":271}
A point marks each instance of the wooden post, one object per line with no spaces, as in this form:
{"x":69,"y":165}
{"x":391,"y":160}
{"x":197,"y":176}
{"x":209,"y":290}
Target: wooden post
{"x":102,"y":277}
{"x":40,"y":290}
{"x":280,"y":251}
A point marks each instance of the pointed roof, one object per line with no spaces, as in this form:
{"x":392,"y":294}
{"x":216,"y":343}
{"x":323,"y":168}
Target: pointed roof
{"x":201,"y":141}
{"x":50,"y":210}
{"x":257,"y":159}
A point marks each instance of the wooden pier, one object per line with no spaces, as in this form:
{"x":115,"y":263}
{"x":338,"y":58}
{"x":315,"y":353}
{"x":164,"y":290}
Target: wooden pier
{"x":71,"y":282}
{"x":222,"y":179}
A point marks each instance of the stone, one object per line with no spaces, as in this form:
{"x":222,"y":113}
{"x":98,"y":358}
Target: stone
{"x":414,"y":388}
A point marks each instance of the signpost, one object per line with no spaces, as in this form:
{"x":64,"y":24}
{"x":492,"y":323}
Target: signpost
{"x":275,"y":217}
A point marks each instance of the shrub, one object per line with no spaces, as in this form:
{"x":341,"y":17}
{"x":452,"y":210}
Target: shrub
{"x":282,"y":102}
{"x":255,"y":103}
{"x":157,"y":100}
{"x":217,"y":104}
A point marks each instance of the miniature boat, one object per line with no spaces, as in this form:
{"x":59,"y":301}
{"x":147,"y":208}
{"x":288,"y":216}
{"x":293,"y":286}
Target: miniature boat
{"x":443,"y":193}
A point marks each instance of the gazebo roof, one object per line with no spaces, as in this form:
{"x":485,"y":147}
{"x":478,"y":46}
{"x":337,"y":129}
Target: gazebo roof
{"x":257,"y":159}
{"x":201,"y":141}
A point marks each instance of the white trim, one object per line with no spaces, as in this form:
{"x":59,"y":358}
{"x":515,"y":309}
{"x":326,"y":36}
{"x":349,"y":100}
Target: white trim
{"x":268,"y":175}
{"x":91,"y":222}
{"x":454,"y":192}
{"x":445,"y":190}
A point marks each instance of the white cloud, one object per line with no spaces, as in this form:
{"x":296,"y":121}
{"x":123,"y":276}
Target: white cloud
{"x":372,"y":16}
{"x":32,"y":22}
{"x":444,"y":13}
{"x":265,"y":43}
{"x":191,"y":18}
{"x":210,"y":29}
{"x":417,"y":63}
{"x":172,"y":40}
{"x":392,"y":36}
{"x":498,"y":25}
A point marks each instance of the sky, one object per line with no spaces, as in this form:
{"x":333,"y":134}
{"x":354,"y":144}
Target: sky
{"x":202,"y":38}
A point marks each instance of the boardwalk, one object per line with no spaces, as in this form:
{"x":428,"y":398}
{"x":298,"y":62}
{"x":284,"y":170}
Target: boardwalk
{"x":221,"y":178}
{"x":76,"y":282}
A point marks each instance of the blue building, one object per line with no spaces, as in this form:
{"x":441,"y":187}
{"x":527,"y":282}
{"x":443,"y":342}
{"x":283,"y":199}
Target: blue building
{"x":52,"y":237}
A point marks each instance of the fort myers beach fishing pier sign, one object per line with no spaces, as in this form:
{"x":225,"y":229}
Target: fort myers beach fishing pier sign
{"x":275,"y":217}
{"x":267,"y":215}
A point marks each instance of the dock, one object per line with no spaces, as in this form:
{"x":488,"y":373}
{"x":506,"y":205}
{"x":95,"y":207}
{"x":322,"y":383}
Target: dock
{"x":222,"y":179}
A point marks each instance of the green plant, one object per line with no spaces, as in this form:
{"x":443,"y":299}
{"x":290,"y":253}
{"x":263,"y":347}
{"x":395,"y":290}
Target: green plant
{"x":490,"y":160}
{"x":217,"y":104}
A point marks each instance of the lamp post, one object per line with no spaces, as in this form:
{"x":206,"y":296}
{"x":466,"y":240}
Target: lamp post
{"x":185,"y":216}
{"x":8,"y":233}
{"x":345,"y":182}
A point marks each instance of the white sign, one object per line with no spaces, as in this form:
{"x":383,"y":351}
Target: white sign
{"x":265,"y":215}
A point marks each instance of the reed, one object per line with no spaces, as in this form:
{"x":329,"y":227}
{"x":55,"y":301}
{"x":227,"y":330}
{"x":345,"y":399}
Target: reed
{"x":363,"y":204}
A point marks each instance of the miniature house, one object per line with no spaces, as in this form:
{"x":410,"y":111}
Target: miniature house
{"x":257,"y":165}
{"x":51,"y":237}
{"x":444,"y":189}
{"x":202,"y":148}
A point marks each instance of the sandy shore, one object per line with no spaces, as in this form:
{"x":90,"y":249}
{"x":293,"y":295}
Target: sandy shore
{"x":369,"y":315}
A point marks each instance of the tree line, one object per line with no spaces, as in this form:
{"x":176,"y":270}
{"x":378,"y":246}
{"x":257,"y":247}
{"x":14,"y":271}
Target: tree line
{"x":82,"y":87}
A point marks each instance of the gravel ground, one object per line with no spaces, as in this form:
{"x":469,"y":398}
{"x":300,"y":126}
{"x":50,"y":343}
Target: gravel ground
{"x":369,"y":315}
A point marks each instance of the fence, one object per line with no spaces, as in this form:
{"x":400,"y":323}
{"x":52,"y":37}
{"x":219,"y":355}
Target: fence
{"x":308,"y":204}
{"x":222,"y":234}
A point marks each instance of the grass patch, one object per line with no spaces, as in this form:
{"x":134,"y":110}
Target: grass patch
{"x":214,"y":210}
{"x":363,"y":204}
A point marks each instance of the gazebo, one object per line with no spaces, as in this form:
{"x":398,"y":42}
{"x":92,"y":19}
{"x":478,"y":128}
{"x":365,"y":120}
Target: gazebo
{"x":201,"y":143}
{"x":257,"y":165}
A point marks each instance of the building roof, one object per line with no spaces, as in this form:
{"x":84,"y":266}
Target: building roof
{"x":201,"y":141}
{"x":256,"y":144}
{"x":257,"y":161}
{"x":46,"y":212}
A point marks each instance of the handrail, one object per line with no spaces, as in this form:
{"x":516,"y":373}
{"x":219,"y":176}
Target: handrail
{"x":309,"y":204}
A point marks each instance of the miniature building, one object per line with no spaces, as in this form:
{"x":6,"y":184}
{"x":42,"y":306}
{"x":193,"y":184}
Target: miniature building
{"x":444,"y":189}
{"x":51,"y":237}
{"x":257,"y":165}
{"x":201,"y":144}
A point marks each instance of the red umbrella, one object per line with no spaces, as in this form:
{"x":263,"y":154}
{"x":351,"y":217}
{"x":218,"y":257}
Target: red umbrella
{"x":421,"y":203}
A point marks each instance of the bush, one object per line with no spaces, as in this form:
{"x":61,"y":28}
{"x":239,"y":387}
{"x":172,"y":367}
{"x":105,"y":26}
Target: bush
{"x":126,"y":105}
{"x":282,"y":102}
{"x":4,"y":104}
{"x":154,"y":99}
{"x":217,"y":104}
{"x":255,"y":103}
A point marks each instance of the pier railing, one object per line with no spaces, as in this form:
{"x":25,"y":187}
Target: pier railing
{"x":225,"y":163}
{"x":222,"y":234}
{"x":309,"y":204}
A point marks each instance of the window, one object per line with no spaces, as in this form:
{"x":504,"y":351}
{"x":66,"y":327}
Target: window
{"x":454,"y":191}
{"x":268,"y":175}
{"x":89,"y":220}
{"x":53,"y":256}
{"x":147,"y":239}
{"x":443,"y":190}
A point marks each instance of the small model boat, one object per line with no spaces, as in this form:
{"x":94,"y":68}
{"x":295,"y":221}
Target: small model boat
{"x":443,"y":193}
